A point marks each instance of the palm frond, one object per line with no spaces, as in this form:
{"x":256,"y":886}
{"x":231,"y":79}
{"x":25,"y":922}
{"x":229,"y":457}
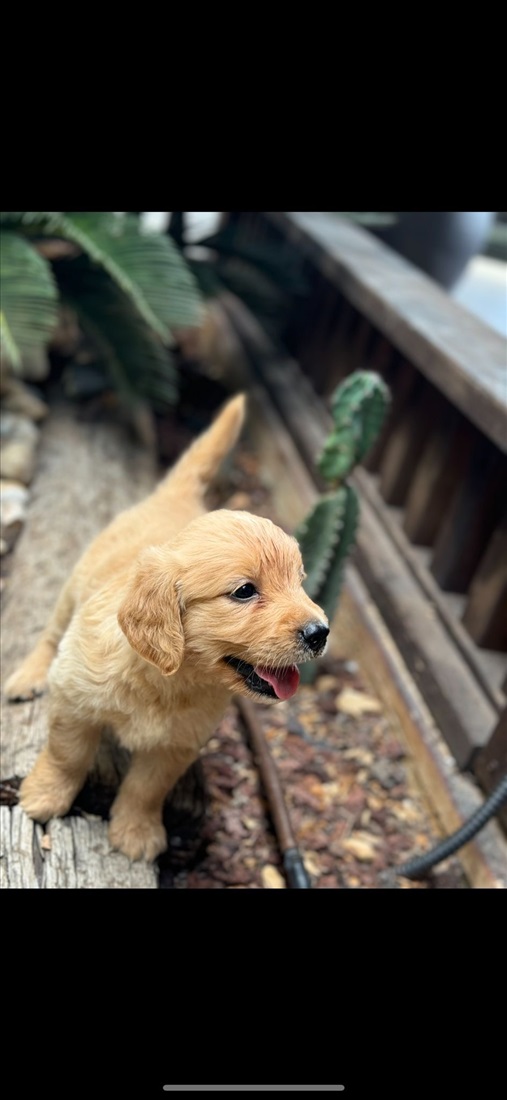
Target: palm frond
{"x":45,"y":220}
{"x":29,"y":299}
{"x":137,"y":361}
{"x":147,"y":266}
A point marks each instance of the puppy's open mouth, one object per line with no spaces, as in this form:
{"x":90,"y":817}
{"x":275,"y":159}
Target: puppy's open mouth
{"x":275,"y":683}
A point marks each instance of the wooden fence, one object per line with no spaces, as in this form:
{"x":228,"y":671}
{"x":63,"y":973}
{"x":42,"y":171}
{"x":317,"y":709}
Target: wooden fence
{"x":433,"y":541}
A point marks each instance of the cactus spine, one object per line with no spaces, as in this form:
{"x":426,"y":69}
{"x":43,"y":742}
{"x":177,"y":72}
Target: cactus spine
{"x":359,"y":407}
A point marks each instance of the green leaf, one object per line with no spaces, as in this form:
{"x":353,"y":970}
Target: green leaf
{"x":329,"y":593}
{"x":138,"y":363}
{"x":42,"y":220}
{"x":326,"y":582}
{"x":359,"y":406}
{"x":29,"y":299}
{"x":318,"y":537}
{"x":147,"y":267}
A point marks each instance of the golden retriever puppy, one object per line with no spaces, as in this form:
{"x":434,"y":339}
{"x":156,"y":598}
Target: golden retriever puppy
{"x":168,"y":613}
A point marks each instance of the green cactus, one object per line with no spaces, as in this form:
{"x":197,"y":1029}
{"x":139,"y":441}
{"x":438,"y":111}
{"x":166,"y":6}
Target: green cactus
{"x":359,"y":406}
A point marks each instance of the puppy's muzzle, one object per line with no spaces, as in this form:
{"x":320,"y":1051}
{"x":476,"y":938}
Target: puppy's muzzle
{"x":314,"y":636}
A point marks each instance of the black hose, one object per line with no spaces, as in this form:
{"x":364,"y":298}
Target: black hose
{"x":419,"y":865}
{"x":295,"y":871}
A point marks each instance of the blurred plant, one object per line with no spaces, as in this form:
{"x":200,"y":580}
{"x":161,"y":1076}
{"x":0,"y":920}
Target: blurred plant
{"x":257,"y":272}
{"x":359,"y":406}
{"x":130,"y":290}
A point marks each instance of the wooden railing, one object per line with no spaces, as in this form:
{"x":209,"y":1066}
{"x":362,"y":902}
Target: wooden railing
{"x":436,"y":483}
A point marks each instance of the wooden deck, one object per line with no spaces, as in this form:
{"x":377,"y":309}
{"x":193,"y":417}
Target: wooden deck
{"x":65,"y":513}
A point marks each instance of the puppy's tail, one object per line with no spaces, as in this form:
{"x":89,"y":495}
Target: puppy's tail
{"x":197,"y":466}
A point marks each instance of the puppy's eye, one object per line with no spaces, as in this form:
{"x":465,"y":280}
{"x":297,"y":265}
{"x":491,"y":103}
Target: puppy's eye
{"x":245,"y":592}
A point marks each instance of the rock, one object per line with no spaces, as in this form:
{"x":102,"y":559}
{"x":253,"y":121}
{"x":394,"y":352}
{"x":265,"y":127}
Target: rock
{"x":13,"y":500}
{"x":18,"y":441}
{"x":351,"y":667}
{"x":363,"y":756}
{"x":330,"y":793}
{"x":13,"y":496}
{"x":386,"y":773}
{"x":357,"y":703}
{"x":272,"y":879}
{"x":362,"y":849}
{"x":17,"y":398}
{"x":326,"y":682}
{"x":312,"y":864}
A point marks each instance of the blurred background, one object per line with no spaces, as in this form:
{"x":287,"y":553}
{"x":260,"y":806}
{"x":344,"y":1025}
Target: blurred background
{"x":466,"y":252}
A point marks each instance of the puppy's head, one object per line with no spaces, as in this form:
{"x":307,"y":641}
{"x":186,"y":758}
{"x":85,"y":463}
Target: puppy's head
{"x":226,"y":598}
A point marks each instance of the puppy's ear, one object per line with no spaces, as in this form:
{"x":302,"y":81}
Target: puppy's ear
{"x":150,"y":613}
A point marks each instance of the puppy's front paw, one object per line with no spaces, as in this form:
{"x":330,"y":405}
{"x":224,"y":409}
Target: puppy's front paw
{"x":138,"y":838}
{"x":45,"y":798}
{"x":25,"y":684}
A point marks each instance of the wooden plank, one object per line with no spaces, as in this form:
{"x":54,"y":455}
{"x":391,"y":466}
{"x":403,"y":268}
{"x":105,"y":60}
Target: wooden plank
{"x":490,"y":764}
{"x":323,"y":336}
{"x":73,"y":853}
{"x":471,"y":518}
{"x":486,"y":678}
{"x":296,"y":328}
{"x":485,"y":615}
{"x":86,"y":474}
{"x":406,"y":441}
{"x":400,"y":377}
{"x":278,"y":458}
{"x":355,"y":349}
{"x":314,"y":320}
{"x":21,"y":859}
{"x":343,"y":352}
{"x":359,"y":631}
{"x":456,"y":699}
{"x":440,"y":469}
{"x":331,"y":364}
{"x":463,"y":357}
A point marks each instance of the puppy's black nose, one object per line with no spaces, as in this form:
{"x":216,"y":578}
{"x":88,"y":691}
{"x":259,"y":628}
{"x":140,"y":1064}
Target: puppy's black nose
{"x":314,"y":635}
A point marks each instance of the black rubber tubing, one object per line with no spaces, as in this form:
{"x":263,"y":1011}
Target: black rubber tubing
{"x":420,"y":865}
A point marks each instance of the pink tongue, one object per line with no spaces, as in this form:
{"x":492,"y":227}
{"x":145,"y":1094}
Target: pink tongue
{"x":284,"y":684}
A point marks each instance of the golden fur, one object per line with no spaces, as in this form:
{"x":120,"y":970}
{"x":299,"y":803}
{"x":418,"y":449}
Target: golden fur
{"x":139,"y":637}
